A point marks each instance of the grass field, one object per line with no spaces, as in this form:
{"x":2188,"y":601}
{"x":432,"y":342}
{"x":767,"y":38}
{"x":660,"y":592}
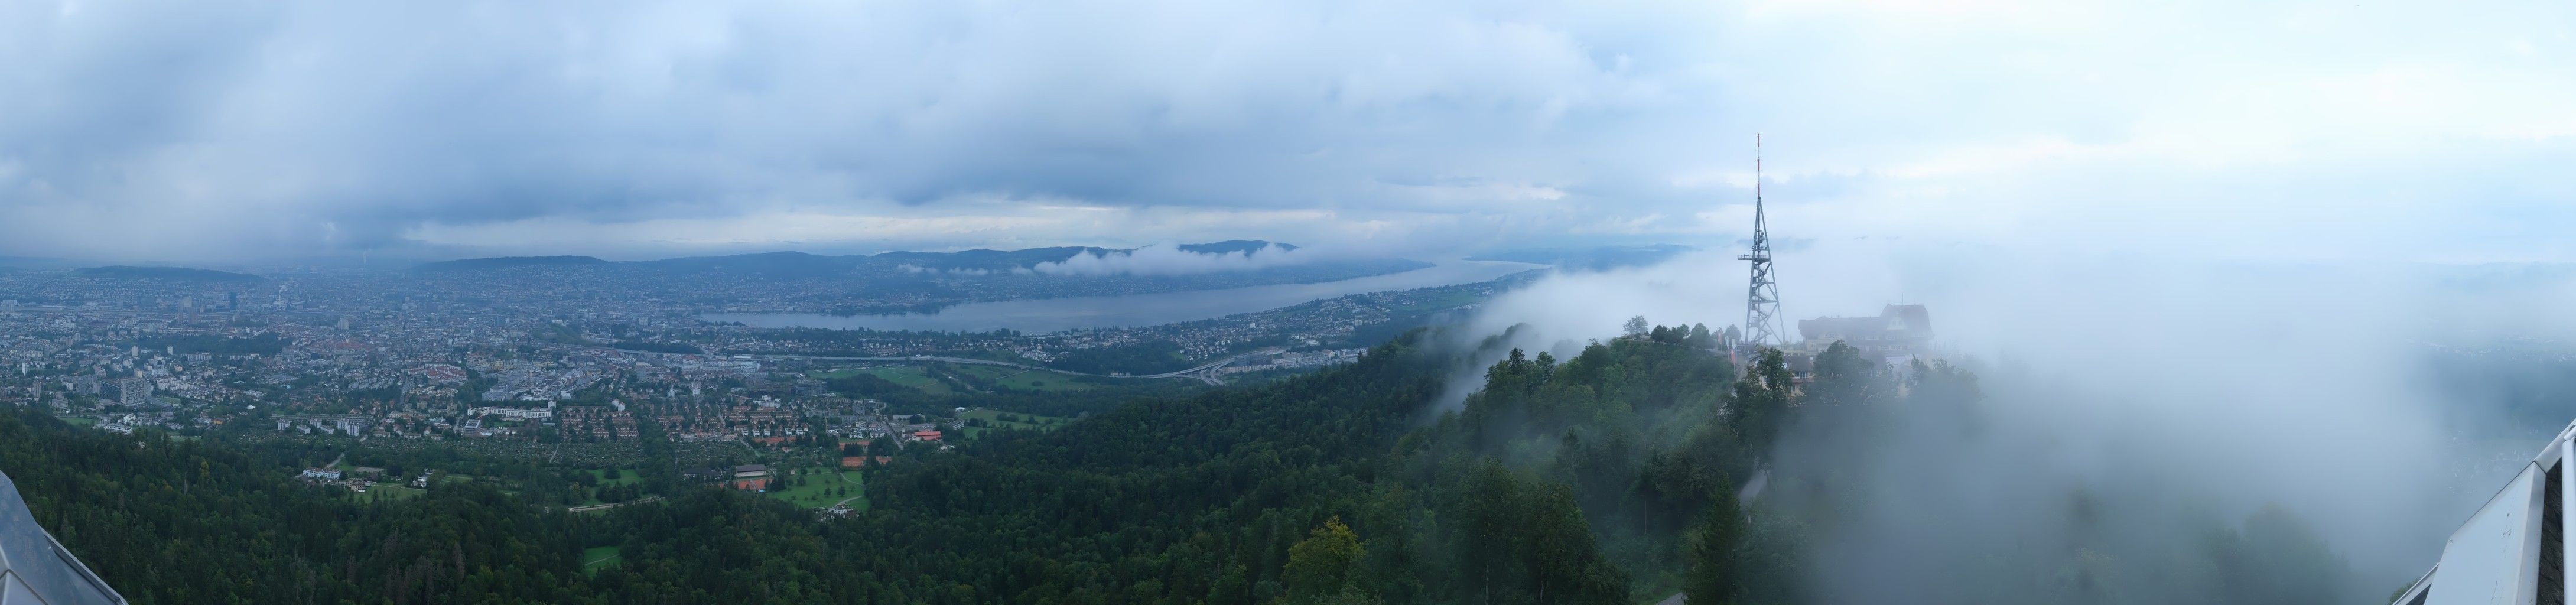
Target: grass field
{"x":597,"y":557}
{"x":1026,"y":380}
{"x":911,"y":376}
{"x":817,"y":490}
{"x":831,"y":374}
{"x":383,"y":492}
{"x":81,"y":421}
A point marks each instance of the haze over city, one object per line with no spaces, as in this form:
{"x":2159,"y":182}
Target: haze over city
{"x":1255,"y":303}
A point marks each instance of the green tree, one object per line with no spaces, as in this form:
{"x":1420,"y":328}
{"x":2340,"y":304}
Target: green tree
{"x":1321,"y":567}
{"x":1845,"y":380}
{"x":1700,"y":338}
{"x":1713,"y":553}
{"x":1761,"y":401}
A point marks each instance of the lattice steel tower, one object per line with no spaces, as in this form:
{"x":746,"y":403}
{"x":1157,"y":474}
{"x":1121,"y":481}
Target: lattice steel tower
{"x":1762,"y":325}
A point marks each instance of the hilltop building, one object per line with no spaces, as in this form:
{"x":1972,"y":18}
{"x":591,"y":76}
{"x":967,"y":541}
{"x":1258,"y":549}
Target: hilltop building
{"x":1897,"y":334}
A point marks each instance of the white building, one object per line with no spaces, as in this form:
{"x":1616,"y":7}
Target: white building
{"x":536,"y":413}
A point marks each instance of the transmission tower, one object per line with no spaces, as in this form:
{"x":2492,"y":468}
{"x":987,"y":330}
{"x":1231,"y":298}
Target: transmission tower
{"x":1762,"y":326}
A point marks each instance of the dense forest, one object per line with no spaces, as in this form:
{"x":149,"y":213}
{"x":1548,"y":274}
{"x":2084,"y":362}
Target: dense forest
{"x":1612,"y":477}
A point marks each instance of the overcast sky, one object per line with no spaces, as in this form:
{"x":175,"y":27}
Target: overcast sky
{"x":2412,"y":131}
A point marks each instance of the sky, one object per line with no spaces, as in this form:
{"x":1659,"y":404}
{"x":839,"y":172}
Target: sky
{"x":2326,"y":131}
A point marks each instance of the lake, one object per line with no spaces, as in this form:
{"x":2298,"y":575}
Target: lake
{"x":1039,"y":316}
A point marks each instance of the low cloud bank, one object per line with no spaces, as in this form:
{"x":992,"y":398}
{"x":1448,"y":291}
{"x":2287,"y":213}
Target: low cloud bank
{"x":2133,"y":402}
{"x":1167,"y":259}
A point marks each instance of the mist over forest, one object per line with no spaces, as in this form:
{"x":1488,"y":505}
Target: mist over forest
{"x":2139,"y":431}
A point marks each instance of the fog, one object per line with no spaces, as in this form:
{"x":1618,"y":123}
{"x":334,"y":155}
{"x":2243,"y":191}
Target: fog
{"x":1170,"y":259}
{"x":2140,"y":399}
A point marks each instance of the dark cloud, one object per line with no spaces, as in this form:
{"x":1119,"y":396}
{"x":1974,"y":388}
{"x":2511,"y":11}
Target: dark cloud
{"x":298,"y":128}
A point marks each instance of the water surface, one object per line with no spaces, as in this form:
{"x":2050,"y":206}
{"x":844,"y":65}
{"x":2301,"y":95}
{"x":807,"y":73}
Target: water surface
{"x":1039,"y":316}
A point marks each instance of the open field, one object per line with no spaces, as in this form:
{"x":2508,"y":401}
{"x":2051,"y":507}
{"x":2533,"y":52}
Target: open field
{"x":596,"y":557}
{"x":818,"y":490}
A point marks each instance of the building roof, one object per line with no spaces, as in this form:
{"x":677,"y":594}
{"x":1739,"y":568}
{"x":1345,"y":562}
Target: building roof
{"x":35,"y":569}
{"x":1895,"y":322}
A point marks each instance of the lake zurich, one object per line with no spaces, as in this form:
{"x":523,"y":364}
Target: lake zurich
{"x":1038,"y":316}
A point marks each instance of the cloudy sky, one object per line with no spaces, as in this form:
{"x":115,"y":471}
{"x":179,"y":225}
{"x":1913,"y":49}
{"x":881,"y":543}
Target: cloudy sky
{"x":2405,"y":131}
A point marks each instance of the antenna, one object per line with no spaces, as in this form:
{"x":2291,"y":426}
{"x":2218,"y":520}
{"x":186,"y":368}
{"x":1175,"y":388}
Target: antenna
{"x":1762,"y":325}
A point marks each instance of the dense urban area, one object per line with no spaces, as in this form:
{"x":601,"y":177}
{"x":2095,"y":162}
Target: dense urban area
{"x":541,"y":359}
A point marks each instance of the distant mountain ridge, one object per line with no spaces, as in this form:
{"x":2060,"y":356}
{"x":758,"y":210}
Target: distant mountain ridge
{"x":504,"y":262}
{"x":165,"y":273}
{"x":793,"y":263}
{"x":34,"y":262}
{"x":1600,"y":258}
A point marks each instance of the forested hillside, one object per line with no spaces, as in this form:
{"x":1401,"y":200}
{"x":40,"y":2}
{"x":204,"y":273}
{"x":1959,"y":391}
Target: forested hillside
{"x":1607,"y":478}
